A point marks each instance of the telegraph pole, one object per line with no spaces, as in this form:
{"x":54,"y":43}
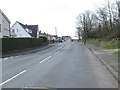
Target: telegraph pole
{"x":56,"y":32}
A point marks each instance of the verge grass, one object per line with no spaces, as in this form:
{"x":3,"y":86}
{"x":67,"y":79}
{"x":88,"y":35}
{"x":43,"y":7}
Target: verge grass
{"x":117,"y":53}
{"x":106,"y":44}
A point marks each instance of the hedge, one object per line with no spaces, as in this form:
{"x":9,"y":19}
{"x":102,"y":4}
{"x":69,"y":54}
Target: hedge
{"x":12,"y":44}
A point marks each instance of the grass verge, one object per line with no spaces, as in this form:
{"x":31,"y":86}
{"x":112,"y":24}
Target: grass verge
{"x":106,"y":44}
{"x":117,"y":53}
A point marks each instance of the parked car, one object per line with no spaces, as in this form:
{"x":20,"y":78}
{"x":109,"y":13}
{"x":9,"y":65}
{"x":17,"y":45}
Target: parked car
{"x":60,"y":41}
{"x":71,"y":40}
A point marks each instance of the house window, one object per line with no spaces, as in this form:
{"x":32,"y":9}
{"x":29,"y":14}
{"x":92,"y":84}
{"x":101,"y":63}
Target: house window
{"x":30,"y":31}
{"x":13,"y":30}
{"x":0,"y":27}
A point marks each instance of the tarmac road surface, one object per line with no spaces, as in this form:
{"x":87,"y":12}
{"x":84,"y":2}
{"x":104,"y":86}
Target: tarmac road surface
{"x":65,"y":65}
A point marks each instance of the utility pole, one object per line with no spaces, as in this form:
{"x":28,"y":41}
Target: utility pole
{"x":56,"y":32}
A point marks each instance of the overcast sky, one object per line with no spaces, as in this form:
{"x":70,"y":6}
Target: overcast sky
{"x":48,"y":14}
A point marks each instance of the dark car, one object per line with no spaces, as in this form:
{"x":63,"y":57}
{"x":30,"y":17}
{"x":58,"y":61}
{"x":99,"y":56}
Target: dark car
{"x":60,"y":41}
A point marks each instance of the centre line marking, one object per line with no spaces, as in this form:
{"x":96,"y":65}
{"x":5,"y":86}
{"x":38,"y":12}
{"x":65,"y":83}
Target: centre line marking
{"x":45,"y":59}
{"x":56,"y":52}
{"x":12,"y":77}
{"x":5,"y":58}
{"x":11,"y":57}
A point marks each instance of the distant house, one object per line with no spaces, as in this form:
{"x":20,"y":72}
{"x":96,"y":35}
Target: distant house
{"x":48,"y":36}
{"x":54,"y":37}
{"x":42,"y":34}
{"x":4,"y":25}
{"x":19,"y":30}
{"x":51,"y":37}
{"x":66,"y":37}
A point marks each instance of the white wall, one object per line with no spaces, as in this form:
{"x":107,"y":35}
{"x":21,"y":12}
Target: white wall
{"x":19,"y":31}
{"x":1,"y":25}
{"x":5,"y":27}
{"x":49,"y":38}
{"x":38,"y":33}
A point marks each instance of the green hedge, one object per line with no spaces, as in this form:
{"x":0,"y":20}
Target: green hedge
{"x":11,"y":44}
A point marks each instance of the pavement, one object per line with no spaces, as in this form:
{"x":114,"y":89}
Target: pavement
{"x":64,"y":65}
{"x":107,"y":57}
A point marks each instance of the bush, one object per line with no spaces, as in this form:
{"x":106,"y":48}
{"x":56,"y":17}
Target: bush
{"x":11,"y":44}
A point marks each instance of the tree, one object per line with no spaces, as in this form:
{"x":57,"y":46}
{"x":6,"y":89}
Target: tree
{"x":79,"y":30}
{"x":85,"y":24}
{"x":103,"y":23}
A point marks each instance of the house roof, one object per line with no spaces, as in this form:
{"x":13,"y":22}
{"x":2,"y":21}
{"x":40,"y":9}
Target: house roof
{"x":4,"y":16}
{"x":22,"y":25}
{"x":34,"y":29}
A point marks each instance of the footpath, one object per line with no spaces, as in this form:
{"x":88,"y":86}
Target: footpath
{"x":26,"y":51}
{"x":107,"y":58}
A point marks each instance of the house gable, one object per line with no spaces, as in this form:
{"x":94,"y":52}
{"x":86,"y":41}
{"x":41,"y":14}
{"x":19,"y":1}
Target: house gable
{"x":20,"y":30}
{"x":4,"y":25}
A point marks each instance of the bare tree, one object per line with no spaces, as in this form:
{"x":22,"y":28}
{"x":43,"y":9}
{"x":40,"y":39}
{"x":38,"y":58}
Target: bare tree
{"x":81,"y":26}
{"x":110,"y":16}
{"x":104,"y":23}
{"x":118,"y":4}
{"x":79,"y":30}
{"x":84,"y":24}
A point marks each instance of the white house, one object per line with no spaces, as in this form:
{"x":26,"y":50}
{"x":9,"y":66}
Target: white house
{"x":19,"y":30}
{"x":4,"y":25}
{"x":51,"y":37}
{"x":42,"y":34}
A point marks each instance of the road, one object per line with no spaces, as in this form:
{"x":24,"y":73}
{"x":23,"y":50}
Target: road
{"x":65,"y":65}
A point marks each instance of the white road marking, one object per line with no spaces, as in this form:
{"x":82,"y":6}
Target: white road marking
{"x":5,"y":58}
{"x":57,"y":52}
{"x":12,"y":77}
{"x":11,"y":57}
{"x":45,"y":59}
